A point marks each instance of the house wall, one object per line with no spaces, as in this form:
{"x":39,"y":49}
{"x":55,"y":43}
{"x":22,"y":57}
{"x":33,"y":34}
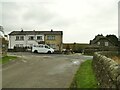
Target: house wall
{"x":102,"y":42}
{"x":58,"y":42}
{"x":25,"y":42}
{"x":75,"y":46}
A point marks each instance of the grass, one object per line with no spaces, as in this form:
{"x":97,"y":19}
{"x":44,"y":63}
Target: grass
{"x":85,"y":78}
{"x":6,"y":59}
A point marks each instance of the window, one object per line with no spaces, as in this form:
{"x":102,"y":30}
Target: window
{"x":46,"y":46}
{"x":50,"y":37}
{"x":41,"y":46}
{"x":31,"y":38}
{"x":98,"y":43}
{"x":39,"y":37}
{"x":19,"y":37}
{"x":19,"y":45}
{"x":106,"y":43}
{"x":35,"y":46}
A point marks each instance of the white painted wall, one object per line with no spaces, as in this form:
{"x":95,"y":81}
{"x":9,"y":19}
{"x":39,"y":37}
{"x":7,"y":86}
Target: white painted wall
{"x":25,"y":42}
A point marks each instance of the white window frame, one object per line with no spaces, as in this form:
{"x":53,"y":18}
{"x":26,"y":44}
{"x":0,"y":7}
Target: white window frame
{"x":40,"y":38}
{"x":20,"y":38}
{"x":29,"y":37}
{"x":98,"y":43}
{"x":106,"y":43}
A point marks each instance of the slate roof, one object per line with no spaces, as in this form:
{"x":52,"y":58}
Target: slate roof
{"x":36,"y":33}
{"x":100,"y":38}
{"x":105,"y":39}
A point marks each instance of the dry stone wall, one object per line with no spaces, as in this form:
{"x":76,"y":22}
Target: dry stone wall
{"x":107,"y":71}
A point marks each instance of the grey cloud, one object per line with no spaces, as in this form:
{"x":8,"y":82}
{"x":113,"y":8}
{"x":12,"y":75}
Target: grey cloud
{"x":83,"y":21}
{"x":39,"y":14}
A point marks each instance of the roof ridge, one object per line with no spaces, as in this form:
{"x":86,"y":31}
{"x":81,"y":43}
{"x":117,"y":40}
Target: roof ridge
{"x":34,"y":32}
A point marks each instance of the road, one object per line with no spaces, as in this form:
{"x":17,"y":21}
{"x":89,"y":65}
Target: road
{"x":41,"y":70}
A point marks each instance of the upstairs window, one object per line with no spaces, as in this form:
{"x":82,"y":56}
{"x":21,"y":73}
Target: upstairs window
{"x":31,"y":38}
{"x":51,"y":37}
{"x":19,"y":37}
{"x":39,"y":38}
{"x":98,"y":43}
{"x":106,"y":43}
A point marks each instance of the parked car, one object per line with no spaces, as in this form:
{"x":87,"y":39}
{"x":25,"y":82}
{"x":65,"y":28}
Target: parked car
{"x":42,"y":48}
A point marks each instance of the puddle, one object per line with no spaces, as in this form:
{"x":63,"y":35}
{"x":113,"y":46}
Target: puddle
{"x":60,"y":69}
{"x":76,"y":62}
{"x":64,"y":67}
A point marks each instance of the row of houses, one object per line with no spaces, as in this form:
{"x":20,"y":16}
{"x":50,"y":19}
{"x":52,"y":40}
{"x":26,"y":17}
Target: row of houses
{"x":28,"y":38}
{"x":104,"y":41}
{"x":55,"y":40}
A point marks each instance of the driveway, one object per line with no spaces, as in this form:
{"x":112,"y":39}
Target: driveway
{"x":41,"y":70}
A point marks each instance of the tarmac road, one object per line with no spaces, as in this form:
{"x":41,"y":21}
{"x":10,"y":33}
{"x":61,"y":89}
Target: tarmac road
{"x":41,"y":70}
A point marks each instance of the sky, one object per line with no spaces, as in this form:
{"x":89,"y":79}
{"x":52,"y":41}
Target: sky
{"x":80,"y":20}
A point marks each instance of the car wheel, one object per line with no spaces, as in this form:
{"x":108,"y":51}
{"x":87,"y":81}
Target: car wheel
{"x":35,"y":51}
{"x":49,"y":52}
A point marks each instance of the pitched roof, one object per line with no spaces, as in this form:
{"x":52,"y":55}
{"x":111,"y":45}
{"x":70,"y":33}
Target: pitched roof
{"x":94,"y":41}
{"x":35,"y":32}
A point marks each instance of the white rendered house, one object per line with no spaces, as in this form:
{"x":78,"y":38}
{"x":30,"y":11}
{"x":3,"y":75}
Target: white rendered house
{"x":23,"y":39}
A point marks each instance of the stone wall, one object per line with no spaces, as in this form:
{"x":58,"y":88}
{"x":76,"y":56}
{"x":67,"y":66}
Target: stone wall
{"x":3,"y":47}
{"x":91,"y":49}
{"x":107,"y":71}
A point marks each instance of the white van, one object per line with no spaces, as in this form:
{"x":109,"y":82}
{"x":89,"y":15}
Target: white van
{"x":42,"y":48}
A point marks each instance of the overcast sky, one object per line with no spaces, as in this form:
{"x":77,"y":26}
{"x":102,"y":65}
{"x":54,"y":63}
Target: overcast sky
{"x":80,"y":20}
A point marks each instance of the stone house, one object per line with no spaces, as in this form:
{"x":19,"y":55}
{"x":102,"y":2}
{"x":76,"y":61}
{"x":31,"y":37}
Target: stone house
{"x":28,"y":38}
{"x":102,"y":41}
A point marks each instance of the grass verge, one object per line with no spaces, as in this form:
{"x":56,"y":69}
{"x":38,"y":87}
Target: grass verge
{"x":85,"y":77}
{"x":6,"y":59}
